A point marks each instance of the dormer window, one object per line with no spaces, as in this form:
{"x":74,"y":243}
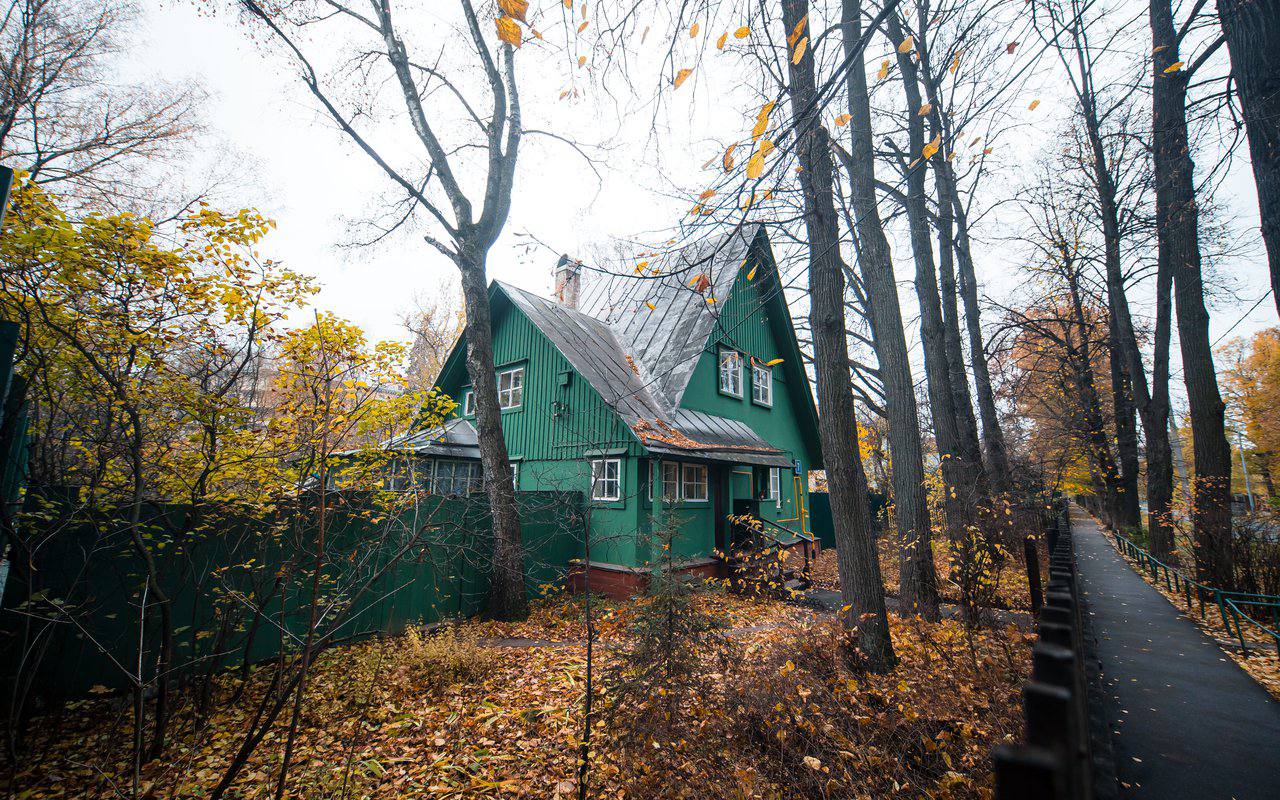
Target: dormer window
{"x":468,"y":400}
{"x":731,"y":373}
{"x":761,"y":384}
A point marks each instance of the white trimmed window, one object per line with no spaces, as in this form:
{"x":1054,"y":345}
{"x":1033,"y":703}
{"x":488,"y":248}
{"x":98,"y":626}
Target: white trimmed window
{"x":761,"y":384}
{"x":775,"y":486}
{"x":455,"y":477}
{"x":511,"y":388}
{"x":693,"y":484}
{"x":670,"y":481}
{"x":606,"y":479}
{"x":731,"y":372}
{"x":468,"y":403}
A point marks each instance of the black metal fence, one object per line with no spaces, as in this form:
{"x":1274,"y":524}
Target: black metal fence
{"x":1056,"y":761}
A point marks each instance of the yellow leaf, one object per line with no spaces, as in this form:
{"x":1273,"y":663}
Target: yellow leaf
{"x":583,"y":26}
{"x":773,"y":363}
{"x":508,"y":30}
{"x":752,"y":274}
{"x":514,"y":8}
{"x":682,"y":76}
{"x":1174,"y":67}
{"x":955,"y":64}
{"x":651,"y":306}
{"x":766,"y":147}
{"x":884,"y":70}
{"x":800,"y":48}
{"x":797,"y":30}
{"x":582,"y":60}
{"x":1033,"y":105}
{"x":762,"y":121}
{"x":693,"y":31}
{"x":568,"y":3}
{"x":724,"y":37}
{"x":708,"y":193}
{"x":905,"y":47}
{"x":842,"y":120}
{"x":925,"y":109}
{"x":932,"y":147}
{"x":755,"y":165}
{"x":742,"y":33}
{"x":727,"y":161}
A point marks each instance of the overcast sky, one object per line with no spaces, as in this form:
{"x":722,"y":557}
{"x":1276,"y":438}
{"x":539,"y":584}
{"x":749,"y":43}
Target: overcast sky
{"x":294,"y":166}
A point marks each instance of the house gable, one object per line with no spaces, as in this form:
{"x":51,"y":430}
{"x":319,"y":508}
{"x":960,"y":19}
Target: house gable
{"x":562,"y":414}
{"x":755,"y":321}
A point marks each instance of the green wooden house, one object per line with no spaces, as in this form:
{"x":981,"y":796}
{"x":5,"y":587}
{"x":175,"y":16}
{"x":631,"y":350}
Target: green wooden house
{"x":676,"y":393}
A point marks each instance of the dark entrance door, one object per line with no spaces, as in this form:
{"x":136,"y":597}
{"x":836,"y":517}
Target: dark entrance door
{"x":743,"y":507}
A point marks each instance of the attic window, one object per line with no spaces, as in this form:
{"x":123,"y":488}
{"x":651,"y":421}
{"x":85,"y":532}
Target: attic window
{"x":511,"y":388}
{"x":468,"y":399}
{"x":761,"y":384}
{"x":731,"y":372}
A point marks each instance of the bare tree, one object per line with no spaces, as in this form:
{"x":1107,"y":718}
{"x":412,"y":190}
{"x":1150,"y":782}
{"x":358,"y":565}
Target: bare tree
{"x":68,"y":121}
{"x":1177,"y":223}
{"x":434,"y":187}
{"x":1252,"y":30}
{"x":918,"y":587}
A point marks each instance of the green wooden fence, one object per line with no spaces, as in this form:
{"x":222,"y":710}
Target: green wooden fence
{"x":76,"y":607}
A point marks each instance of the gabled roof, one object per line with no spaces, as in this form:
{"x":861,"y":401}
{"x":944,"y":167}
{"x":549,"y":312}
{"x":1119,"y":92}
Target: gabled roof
{"x":667,"y":339}
{"x":640,"y":359}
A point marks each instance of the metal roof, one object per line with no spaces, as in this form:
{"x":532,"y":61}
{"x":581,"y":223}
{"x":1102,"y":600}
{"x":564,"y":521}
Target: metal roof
{"x":456,"y":438}
{"x":640,"y":359}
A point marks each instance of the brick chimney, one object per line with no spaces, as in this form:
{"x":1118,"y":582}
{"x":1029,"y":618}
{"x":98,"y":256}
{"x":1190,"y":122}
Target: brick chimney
{"x":568,"y":277}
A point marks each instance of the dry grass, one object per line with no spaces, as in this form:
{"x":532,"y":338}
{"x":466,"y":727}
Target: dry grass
{"x":407,"y":716}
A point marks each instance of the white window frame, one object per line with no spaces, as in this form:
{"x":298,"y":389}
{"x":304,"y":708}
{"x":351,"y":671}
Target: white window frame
{"x":513,"y":395}
{"x":674,"y":482}
{"x":694,"y":470}
{"x":765,"y":397}
{"x":775,"y":486}
{"x":600,"y":480}
{"x":468,"y":402}
{"x":730,"y":372}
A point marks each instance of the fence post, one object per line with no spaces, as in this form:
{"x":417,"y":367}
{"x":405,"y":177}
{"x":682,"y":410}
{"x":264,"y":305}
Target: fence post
{"x":1033,"y":572}
{"x":1023,"y":772}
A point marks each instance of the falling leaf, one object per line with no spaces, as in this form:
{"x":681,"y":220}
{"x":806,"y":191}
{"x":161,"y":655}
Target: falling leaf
{"x":693,"y":31}
{"x":1010,"y":47}
{"x":762,"y":121}
{"x":742,"y":33}
{"x":842,"y":120}
{"x":701,"y":283}
{"x":800,"y":48}
{"x":906,"y":45}
{"x":774,"y":362}
{"x":568,"y":3}
{"x":651,"y":306}
{"x":752,"y":274}
{"x":644,"y":35}
{"x":1033,"y":105}
{"x":955,"y":64}
{"x":924,"y":110}
{"x":583,"y":26}
{"x":681,"y":76}
{"x":727,"y":161}
{"x":1174,"y":67}
{"x":755,"y":166}
{"x":884,"y":70}
{"x":798,"y":30}
{"x":707,"y":194}
{"x":508,"y":30}
{"x":974,"y":143}
{"x":932,"y":147}
{"x":987,"y":151}
{"x":582,"y":60}
{"x":515,"y":8}
{"x":724,"y":37}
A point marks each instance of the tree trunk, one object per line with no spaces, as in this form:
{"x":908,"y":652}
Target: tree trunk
{"x":1252,"y":30}
{"x":507,"y":598}
{"x":918,"y":581}
{"x":1128,"y":514}
{"x":1177,"y":225}
{"x":860,"y":582}
{"x":960,"y":494}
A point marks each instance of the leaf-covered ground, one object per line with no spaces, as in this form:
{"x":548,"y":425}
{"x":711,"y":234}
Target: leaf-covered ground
{"x":452,"y":716}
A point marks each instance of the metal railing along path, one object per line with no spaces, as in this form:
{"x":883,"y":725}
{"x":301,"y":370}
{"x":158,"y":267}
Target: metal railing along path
{"x":1231,"y":605}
